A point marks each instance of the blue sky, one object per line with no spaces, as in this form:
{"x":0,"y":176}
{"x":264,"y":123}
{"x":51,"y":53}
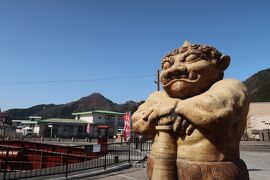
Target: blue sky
{"x":114,"y":47}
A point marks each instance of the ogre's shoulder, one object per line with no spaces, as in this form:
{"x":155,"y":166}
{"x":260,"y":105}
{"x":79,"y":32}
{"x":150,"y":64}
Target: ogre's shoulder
{"x":151,"y":100}
{"x":156,"y":94}
{"x":230,"y":82}
{"x":230,"y":85}
{"x":232,"y":90}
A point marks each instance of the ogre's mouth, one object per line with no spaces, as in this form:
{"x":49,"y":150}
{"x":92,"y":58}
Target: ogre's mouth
{"x":190,"y":77}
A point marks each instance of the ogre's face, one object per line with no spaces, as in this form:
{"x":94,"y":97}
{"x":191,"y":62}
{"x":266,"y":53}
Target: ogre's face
{"x":184,"y":76}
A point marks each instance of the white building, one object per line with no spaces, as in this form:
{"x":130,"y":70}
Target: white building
{"x":84,"y":124}
{"x":99,"y":117}
{"x":258,"y":118}
{"x":31,"y":123}
{"x":58,"y":127}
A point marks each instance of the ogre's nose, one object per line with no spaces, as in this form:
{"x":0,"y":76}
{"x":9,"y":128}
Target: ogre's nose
{"x":177,"y":72}
{"x":180,"y":70}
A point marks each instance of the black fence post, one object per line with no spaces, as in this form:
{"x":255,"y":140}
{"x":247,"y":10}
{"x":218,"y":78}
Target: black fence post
{"x":6,"y":164}
{"x":129,"y":149}
{"x":105,"y":163}
{"x":22,"y":158}
{"x":67,"y":158}
{"x":141,"y":145}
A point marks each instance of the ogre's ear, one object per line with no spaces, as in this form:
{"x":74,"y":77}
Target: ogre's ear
{"x":224,"y":62}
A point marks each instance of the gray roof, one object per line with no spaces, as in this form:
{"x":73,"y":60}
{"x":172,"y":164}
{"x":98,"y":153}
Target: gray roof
{"x":99,"y":112}
{"x":62,"y":121}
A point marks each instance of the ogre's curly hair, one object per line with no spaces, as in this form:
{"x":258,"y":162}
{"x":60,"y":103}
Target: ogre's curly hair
{"x":201,"y":51}
{"x":196,"y":51}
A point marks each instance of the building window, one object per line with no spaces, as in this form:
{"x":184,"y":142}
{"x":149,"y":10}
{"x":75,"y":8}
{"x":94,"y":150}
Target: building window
{"x":120,"y":123}
{"x":80,"y":129}
{"x":66,"y":128}
{"x":71,"y":129}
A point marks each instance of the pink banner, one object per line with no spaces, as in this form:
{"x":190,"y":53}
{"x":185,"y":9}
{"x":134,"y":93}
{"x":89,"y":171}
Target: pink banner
{"x":127,"y":126}
{"x":88,"y":128}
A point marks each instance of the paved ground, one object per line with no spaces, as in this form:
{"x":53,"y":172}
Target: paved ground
{"x":258,"y":163}
{"x":127,"y":174}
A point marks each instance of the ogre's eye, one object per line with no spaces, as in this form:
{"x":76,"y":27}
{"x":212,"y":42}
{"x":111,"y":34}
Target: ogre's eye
{"x":166,"y":65}
{"x":191,"y":57}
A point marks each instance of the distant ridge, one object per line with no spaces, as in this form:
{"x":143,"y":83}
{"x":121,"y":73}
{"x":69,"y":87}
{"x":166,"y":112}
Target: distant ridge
{"x":259,"y":86}
{"x":95,"y":101}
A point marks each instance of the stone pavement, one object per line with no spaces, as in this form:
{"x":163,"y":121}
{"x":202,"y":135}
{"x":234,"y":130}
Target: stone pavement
{"x":135,"y":173}
{"x":258,"y":164}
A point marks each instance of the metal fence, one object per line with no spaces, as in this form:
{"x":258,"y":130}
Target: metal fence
{"x":25,"y":162}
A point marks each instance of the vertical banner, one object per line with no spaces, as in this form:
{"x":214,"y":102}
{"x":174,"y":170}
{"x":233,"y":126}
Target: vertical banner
{"x":127,"y":126}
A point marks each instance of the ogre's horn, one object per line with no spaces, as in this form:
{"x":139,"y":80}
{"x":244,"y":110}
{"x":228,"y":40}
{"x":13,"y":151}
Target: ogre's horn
{"x":186,"y":43}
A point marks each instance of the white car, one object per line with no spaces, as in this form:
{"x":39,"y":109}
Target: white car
{"x":19,"y":129}
{"x":27,"y":132}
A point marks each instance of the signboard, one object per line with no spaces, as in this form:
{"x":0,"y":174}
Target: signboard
{"x":92,"y":148}
{"x":96,"y":148}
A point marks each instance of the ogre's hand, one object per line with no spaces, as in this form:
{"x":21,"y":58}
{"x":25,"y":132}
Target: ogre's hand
{"x":144,"y":121}
{"x":183,"y":126}
{"x":149,"y":113}
{"x":168,"y":119}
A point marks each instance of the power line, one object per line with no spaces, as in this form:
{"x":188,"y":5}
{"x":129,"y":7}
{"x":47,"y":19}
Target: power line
{"x":76,"y":80}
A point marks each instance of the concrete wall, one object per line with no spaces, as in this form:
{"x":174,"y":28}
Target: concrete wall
{"x":258,"y":118}
{"x":85,"y":117}
{"x":36,"y":129}
{"x":99,"y":119}
{"x":42,"y":128}
{"x":256,"y":123}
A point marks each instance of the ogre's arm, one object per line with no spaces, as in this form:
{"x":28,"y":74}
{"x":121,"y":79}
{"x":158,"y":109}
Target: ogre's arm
{"x":146,"y":117}
{"x":225,"y":102}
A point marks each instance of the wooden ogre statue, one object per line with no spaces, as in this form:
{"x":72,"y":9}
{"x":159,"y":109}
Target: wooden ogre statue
{"x":197,"y":121}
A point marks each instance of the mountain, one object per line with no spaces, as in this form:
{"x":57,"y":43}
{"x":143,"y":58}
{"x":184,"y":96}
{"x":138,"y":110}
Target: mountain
{"x":95,"y":101}
{"x":259,"y":86}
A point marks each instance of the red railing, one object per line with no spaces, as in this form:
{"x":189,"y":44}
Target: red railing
{"x":22,"y":159}
{"x":33,"y":155}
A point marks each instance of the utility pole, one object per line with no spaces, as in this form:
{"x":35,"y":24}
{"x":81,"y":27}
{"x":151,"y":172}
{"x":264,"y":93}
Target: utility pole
{"x":2,"y":124}
{"x":157,"y":81}
{"x":44,"y":112}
